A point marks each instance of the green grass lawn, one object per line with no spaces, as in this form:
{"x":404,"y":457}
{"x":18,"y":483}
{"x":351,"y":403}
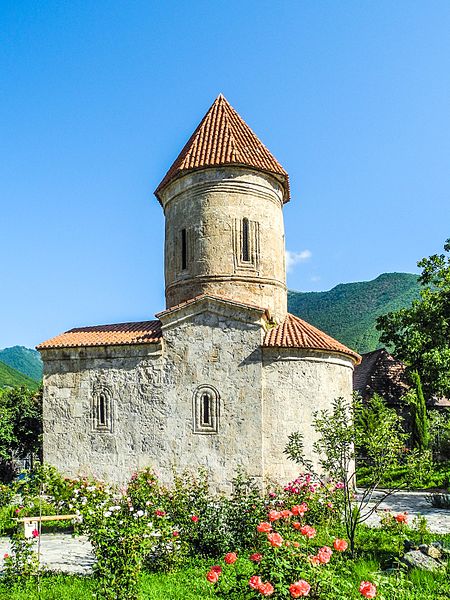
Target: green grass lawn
{"x":190,"y":584}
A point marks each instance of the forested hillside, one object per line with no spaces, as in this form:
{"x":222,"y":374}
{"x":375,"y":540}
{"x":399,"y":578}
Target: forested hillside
{"x":25,"y":360}
{"x":348,"y":312}
{"x":11,"y":378}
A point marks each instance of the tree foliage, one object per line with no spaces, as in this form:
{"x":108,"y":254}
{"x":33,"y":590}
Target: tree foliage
{"x":420,"y":334}
{"x":340,"y":430}
{"x":20,"y":423}
{"x":420,"y":434}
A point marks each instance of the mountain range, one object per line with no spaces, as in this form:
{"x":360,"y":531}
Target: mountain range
{"x":348,"y":312}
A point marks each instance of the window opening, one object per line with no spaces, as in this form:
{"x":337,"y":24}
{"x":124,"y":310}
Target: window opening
{"x":206,"y":412}
{"x":183,"y":250}
{"x":206,"y":409}
{"x":245,"y":240}
{"x":102,"y":410}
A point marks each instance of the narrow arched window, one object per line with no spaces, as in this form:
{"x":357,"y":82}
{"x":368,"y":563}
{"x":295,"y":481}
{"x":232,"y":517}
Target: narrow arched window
{"x":102,"y":408}
{"x":183,"y":250}
{"x":245,"y":240}
{"x":102,"y":417}
{"x":206,"y":408}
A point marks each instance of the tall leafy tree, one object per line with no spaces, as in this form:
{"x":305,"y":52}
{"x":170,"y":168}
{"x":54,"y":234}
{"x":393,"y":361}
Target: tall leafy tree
{"x":420,"y":335}
{"x":20,"y":425}
{"x":420,"y":432}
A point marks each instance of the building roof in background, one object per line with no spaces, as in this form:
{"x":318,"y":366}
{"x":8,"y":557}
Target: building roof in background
{"x":383,"y":374}
{"x":223,"y":138}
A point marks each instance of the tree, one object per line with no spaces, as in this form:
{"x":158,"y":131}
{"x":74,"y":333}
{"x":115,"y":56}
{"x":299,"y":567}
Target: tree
{"x":420,"y":335}
{"x":420,"y":435}
{"x":340,"y":430}
{"x":20,"y":425}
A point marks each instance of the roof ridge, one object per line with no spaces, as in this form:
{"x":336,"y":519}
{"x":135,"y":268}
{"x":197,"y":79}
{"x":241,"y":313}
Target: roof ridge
{"x":224,"y":138}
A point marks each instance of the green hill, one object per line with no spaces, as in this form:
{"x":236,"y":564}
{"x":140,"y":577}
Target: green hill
{"x":11,"y":378}
{"x":348,"y":312}
{"x":25,"y":360}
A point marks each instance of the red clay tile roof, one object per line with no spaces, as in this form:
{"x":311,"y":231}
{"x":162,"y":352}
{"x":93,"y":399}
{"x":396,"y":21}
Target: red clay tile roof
{"x":223,"y":138}
{"x":143,"y":332}
{"x":212,"y":297}
{"x":296,"y":333}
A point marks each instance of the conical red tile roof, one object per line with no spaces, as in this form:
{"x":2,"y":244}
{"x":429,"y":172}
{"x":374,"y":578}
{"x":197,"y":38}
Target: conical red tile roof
{"x":296,"y":333}
{"x":223,"y":138}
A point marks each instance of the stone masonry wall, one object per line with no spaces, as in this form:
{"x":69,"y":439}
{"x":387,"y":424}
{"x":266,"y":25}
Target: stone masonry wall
{"x":152,"y":391}
{"x":210,"y":206}
{"x":295,"y":384}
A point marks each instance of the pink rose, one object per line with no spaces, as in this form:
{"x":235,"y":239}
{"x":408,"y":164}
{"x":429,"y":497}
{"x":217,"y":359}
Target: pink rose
{"x":340,"y":545}
{"x":275,"y":540}
{"x":367,"y":589}
{"x":255,"y":582}
{"x":256,"y":557}
{"x":266,"y":589}
{"x":324,"y":555}
{"x":299,"y":588}
{"x":212,"y":576}
{"x":308,"y":531}
{"x":230,"y":558}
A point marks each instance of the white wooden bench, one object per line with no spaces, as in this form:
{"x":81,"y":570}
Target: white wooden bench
{"x":32,"y":523}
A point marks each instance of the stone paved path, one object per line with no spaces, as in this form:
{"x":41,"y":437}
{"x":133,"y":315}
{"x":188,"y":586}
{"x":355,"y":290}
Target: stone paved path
{"x":74,"y":554}
{"x":413,"y":503}
{"x":61,"y":552}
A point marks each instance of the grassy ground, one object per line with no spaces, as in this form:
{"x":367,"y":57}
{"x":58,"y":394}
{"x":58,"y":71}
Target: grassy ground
{"x":437,"y":478}
{"x":190,"y":584}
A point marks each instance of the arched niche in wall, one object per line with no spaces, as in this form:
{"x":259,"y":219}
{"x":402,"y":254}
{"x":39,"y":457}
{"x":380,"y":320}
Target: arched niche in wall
{"x":102,"y":409}
{"x":206,"y":409}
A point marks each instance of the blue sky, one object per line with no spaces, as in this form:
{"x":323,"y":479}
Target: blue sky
{"x":97,"y":99}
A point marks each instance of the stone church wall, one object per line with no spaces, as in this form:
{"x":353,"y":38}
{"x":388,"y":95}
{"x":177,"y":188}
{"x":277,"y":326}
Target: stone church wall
{"x":152,"y":390}
{"x":295,"y":384}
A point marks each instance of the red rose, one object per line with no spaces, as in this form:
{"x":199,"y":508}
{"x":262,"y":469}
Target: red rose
{"x":266,"y":589}
{"x":230,"y":558}
{"x":324,"y":555}
{"x":340,"y":545}
{"x":216,"y":569}
{"x":255,"y":582}
{"x":275,"y":540}
{"x":212,"y":576}
{"x":401,"y":518}
{"x":286,"y":514}
{"x":264,"y":527}
{"x":299,"y":588}
{"x":367,"y":589}
{"x":274,"y":515}
{"x":6,"y":555}
{"x":307,"y":530}
{"x":299,"y":509}
{"x":160,"y":513}
{"x":35,"y":533}
{"x":194,"y":518}
{"x":256,"y":557}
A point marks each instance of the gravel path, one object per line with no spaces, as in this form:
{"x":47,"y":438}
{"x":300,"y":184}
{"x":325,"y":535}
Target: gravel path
{"x":62,"y":552}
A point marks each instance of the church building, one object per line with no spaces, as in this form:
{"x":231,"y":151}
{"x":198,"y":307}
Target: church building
{"x":224,"y":373}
